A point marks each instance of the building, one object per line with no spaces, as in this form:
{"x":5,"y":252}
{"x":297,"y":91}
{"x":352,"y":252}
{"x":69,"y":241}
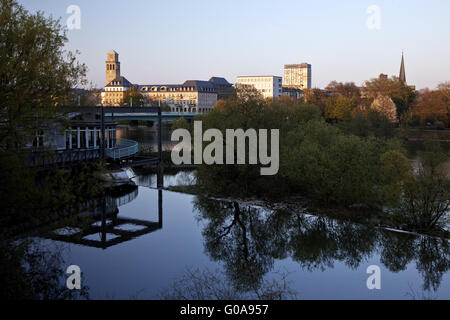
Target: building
{"x":223,"y":87}
{"x":114,"y":91}
{"x":74,"y":131}
{"x":268,"y":86}
{"x":291,"y":92}
{"x":191,"y":96}
{"x":298,"y":76}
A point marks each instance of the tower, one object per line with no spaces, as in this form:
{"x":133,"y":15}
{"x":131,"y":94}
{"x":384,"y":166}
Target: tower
{"x":402,"y":75}
{"x":112,"y":66}
{"x":297,"y":75}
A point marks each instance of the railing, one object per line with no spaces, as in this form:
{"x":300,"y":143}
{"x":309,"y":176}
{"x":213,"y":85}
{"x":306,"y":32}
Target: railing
{"x":124,"y":148}
{"x":62,"y":157}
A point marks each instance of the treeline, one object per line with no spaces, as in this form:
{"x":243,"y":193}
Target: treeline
{"x":399,"y":102}
{"x":353,"y":162}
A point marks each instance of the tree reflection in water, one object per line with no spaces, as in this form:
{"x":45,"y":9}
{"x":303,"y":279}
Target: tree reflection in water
{"x":248,"y":239}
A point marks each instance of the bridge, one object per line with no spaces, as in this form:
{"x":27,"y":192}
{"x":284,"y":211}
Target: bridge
{"x":123,"y":151}
{"x":149,"y":116}
{"x":131,"y":113}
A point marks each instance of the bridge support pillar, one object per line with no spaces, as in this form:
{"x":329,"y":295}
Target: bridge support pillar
{"x":160,"y":173}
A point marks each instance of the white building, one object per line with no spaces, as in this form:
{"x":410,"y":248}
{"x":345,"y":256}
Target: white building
{"x":191,"y":96}
{"x":297,"y":76}
{"x":269,"y":86}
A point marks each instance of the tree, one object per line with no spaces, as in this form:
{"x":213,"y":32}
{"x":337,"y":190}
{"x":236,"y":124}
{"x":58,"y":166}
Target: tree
{"x":348,"y":89}
{"x":317,"y":97}
{"x":433,"y":105}
{"x":341,"y":107}
{"x":401,"y":94}
{"x":426,"y":198}
{"x":385,"y":106}
{"x":132,"y":97}
{"x":36,"y":73}
{"x":181,"y":123}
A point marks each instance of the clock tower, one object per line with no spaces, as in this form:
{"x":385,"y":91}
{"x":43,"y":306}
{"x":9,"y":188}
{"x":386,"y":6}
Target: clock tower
{"x":112,"y":66}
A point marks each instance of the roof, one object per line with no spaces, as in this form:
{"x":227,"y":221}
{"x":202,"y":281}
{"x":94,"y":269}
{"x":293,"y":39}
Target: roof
{"x":219,"y":81}
{"x":266,"y":76}
{"x":198,"y":84}
{"x":119,"y":82}
{"x":189,"y":85}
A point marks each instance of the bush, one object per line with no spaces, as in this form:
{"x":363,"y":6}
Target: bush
{"x":426,"y":198}
{"x":331,"y":166}
{"x":316,"y":159}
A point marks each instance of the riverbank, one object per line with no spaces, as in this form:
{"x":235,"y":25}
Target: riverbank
{"x":423,"y":134}
{"x":298,"y":203}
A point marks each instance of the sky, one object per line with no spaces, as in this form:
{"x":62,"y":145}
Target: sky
{"x":170,"y":41}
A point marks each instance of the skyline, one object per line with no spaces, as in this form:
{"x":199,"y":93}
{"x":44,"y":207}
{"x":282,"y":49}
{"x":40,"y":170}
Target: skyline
{"x":171,"y":42}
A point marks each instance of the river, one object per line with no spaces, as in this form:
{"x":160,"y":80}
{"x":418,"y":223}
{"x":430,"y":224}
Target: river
{"x":246,"y":251}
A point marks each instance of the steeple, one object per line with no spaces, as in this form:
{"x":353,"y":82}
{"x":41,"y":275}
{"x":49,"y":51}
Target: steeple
{"x":402,"y":75}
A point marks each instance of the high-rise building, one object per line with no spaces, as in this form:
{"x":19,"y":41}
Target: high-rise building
{"x":112,"y":66}
{"x":297,"y":76}
{"x":268,"y":86}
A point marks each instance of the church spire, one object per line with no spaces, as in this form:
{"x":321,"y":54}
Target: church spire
{"x":402,"y":75}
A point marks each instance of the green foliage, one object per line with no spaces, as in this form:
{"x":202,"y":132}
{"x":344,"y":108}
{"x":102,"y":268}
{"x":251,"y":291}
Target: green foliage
{"x":36,"y":73}
{"x":372,"y":124}
{"x":333,"y":167}
{"x":181,"y":123}
{"x":401,"y":94}
{"x":425,"y":201}
{"x":316,"y":159}
{"x":341,"y":107}
{"x":132,"y":97}
{"x":30,"y":198}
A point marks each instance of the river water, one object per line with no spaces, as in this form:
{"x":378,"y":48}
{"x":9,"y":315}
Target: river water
{"x":245,"y":251}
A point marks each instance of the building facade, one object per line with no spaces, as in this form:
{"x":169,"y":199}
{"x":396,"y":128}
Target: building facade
{"x":114,"y":91}
{"x":268,"y":86}
{"x":291,"y":92}
{"x":298,"y":76}
{"x":191,"y":96}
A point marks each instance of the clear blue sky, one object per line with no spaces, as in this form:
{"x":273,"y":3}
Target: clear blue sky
{"x":172,"y":41}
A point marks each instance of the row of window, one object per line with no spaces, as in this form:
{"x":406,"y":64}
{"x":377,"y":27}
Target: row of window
{"x":115,"y":89}
{"x":111,"y":67}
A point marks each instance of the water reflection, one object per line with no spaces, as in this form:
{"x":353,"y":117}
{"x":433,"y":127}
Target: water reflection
{"x":248,"y":239}
{"x":146,"y":136}
{"x":106,"y":228}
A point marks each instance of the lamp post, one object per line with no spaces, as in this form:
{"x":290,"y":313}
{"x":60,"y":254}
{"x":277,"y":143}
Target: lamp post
{"x":102,"y":136}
